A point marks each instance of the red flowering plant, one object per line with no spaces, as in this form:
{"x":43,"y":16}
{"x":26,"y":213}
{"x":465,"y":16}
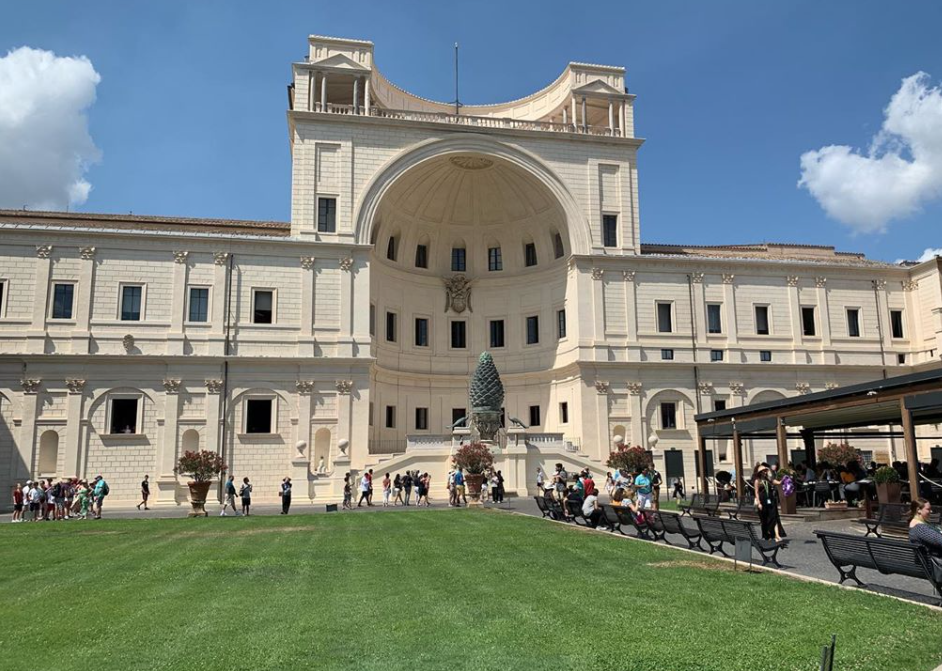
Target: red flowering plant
{"x":473,"y":458}
{"x":629,"y":459}
{"x":201,"y":466}
{"x":838,"y":454}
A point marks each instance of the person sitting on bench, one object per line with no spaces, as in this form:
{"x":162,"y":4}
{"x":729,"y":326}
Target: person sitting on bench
{"x":591,"y":509}
{"x":921,"y":532}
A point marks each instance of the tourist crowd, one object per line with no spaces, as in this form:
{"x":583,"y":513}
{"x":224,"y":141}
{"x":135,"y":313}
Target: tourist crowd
{"x":66,"y":499}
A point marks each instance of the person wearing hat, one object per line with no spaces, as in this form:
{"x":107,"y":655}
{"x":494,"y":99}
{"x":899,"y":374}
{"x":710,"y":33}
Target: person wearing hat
{"x":765,"y":501}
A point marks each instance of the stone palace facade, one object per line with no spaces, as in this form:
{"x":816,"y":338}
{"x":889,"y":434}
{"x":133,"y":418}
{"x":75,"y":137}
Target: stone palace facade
{"x":419,"y":237}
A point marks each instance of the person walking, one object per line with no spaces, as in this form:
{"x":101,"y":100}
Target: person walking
{"x":35,"y":502}
{"x":364,"y":491}
{"x":230,"y":497}
{"x":83,"y":500}
{"x":459,"y":488}
{"x":387,"y":490}
{"x":656,"y":481}
{"x":369,"y":491}
{"x":285,"y":494}
{"x":18,"y":503}
{"x":100,"y":491}
{"x":407,"y":486}
{"x":397,"y":489}
{"x":347,"y":493}
{"x":765,"y":502}
{"x":69,"y":494}
{"x":245,"y":492}
{"x":500,"y":487}
{"x":145,"y":492}
{"x":643,"y":488}
{"x":540,"y":482}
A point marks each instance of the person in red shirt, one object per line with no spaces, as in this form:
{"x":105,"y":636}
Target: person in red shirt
{"x":18,"y":503}
{"x":588,"y":483}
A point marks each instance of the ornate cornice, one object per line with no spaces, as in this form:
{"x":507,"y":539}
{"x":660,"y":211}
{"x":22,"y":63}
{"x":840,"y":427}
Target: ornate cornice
{"x":346,"y":264}
{"x":601,"y":387}
{"x":344,"y":387}
{"x":597,"y":273}
{"x":220,"y":258}
{"x":87,"y":253}
{"x":172,"y":386}
{"x":30,"y":385}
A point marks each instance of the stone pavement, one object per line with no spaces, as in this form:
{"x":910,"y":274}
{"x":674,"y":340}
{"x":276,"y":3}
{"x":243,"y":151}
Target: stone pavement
{"x":804,"y":556}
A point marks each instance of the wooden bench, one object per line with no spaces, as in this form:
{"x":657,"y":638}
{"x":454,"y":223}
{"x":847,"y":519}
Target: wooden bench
{"x":673,"y":523}
{"x":701,"y":505}
{"x":848,"y":552}
{"x":717,"y":532}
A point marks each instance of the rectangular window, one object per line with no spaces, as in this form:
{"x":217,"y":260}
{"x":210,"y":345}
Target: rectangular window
{"x":372,"y":319}
{"x":534,"y":415}
{"x":3,"y":298}
{"x":496,"y":328}
{"x":609,"y":230}
{"x":391,"y":327}
{"x":896,"y":323}
{"x":765,"y":355}
{"x":564,"y":413}
{"x":494,"y":259}
{"x":529,"y":254}
{"x":560,"y":324}
{"x":199,"y":304}
{"x":421,"y":419}
{"x":459,"y":413}
{"x":458,"y":259}
{"x":421,"y":332}
{"x":762,"y":320}
{"x":807,"y":321}
{"x":263,"y":306}
{"x":390,"y":417}
{"x":853,"y":322}
{"x":901,"y":359}
{"x":131,"y":297}
{"x":421,"y":256}
{"x":716,"y":355}
{"x":62,"y":297}
{"x":714,"y":318}
{"x":391,"y":249}
{"x":259,"y":415}
{"x":124,"y":415}
{"x":558,"y":250}
{"x":665,"y":318}
{"x":459,"y":335}
{"x":326,"y":215}
{"x":668,"y":415}
{"x":719,"y":404}
{"x":533,"y":330}
{"x":667,"y":355}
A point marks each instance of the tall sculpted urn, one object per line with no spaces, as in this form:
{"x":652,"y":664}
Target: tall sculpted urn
{"x":202,"y":467}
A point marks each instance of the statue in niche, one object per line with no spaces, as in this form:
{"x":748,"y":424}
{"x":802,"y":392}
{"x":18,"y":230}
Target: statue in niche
{"x":458,"y":294}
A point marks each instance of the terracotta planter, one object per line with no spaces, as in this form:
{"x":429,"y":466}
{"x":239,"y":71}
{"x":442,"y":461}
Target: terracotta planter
{"x":788,"y":505}
{"x":889,"y":492}
{"x":474,"y":481}
{"x":198,"y":493}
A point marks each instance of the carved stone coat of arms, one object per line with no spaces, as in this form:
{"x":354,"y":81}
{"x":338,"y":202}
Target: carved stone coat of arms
{"x":458,"y":294}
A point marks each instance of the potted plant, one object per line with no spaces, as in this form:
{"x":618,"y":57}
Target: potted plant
{"x":888,"y":485}
{"x":629,"y":459}
{"x":202,"y":467}
{"x":474,"y":459}
{"x":839,"y":454}
{"x":785,"y":478}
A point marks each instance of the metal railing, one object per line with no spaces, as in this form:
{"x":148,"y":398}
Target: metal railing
{"x":469,"y":120}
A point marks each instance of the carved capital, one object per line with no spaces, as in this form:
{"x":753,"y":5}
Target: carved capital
{"x":697,"y":277}
{"x":43,"y":251}
{"x":344,"y":387}
{"x":791,"y":280}
{"x":307,"y":262}
{"x":597,"y":273}
{"x":628,"y":275}
{"x":910,"y":285}
{"x":87,"y":253}
{"x":601,"y":387}
{"x":214,"y":386}
{"x":705,"y":388}
{"x":30,"y":386}
{"x":820,"y":282}
{"x":172,"y":386}
{"x":737,"y":388}
{"x":803,"y":388}
{"x":831,"y":385}
{"x":220,"y":258}
{"x":75,"y":385}
{"x":634,"y":388}
{"x":304,"y":386}
{"x":879,"y":284}
{"x":346,"y":264}
{"x":180,"y":257}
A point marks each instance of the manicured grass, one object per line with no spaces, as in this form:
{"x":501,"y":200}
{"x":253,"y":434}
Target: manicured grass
{"x":456,"y":589}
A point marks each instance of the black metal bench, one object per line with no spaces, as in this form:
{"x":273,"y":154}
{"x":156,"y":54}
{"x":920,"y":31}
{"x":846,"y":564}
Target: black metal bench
{"x":555,"y":510}
{"x":745,"y":509}
{"x":892,"y":519}
{"x":888,"y":556}
{"x":673,"y":523}
{"x":716,"y":532}
{"x":627,"y":518}
{"x":575,"y":513}
{"x":542,"y":505}
{"x":611,"y":519}
{"x":701,"y":505}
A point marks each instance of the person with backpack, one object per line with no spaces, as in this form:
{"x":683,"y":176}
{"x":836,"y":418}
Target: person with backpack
{"x":100,"y":491}
{"x":245,"y":492}
{"x":230,"y":495}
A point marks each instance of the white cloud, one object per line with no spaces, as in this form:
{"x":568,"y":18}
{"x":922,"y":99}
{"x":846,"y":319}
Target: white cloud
{"x":901,"y":171}
{"x":929,"y":254}
{"x":45,"y":146}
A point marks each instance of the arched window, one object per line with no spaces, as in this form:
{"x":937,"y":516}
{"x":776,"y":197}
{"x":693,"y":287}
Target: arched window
{"x":558,"y":250}
{"x":48,"y":453}
{"x":495,"y":260}
{"x":391,"y":248}
{"x":422,"y":252}
{"x":529,"y":252}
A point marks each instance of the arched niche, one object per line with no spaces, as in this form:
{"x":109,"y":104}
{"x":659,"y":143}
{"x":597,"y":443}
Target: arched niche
{"x":190,"y":441}
{"x":321,"y":447}
{"x":48,"y":453}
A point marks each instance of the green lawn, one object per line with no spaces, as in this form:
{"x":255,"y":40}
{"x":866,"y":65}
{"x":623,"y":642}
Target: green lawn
{"x":456,"y":589}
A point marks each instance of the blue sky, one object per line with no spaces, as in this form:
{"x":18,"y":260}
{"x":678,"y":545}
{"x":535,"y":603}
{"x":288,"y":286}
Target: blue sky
{"x":190,"y":109}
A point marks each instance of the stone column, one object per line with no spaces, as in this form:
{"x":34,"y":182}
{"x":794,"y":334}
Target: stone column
{"x":909,"y":438}
{"x":356,"y":92}
{"x":829,"y":355}
{"x":611,"y":117}
{"x":310,"y":90}
{"x":306,"y":337}
{"x":737,"y":461}
{"x":345,"y":340}
{"x":26,"y":444}
{"x":218,"y":316}
{"x":166,"y":480}
{"x":585,"y":121}
{"x":177,"y":304}
{"x":729,"y":300}
{"x":622,"y":120}
{"x":573,"y":105}
{"x":72,"y":464}
{"x":323,"y":92}
{"x":794,"y":309}
{"x":366,"y":96}
{"x":85,"y":293}
{"x":36,"y":336}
